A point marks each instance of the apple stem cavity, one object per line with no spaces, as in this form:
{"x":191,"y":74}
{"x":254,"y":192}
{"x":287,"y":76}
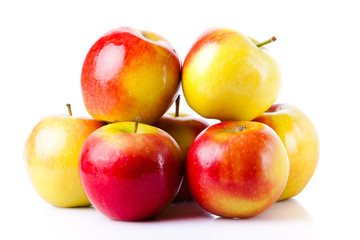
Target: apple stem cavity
{"x":137,"y":120}
{"x":241,"y":128}
{"x":177,"y":106}
{"x":273,"y":39}
{"x":69,"y":109}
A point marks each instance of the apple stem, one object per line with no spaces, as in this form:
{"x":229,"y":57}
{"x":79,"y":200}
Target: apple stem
{"x":69,"y":108}
{"x":273,"y":39}
{"x":177,"y":106}
{"x":137,"y":120}
{"x":241,"y":128}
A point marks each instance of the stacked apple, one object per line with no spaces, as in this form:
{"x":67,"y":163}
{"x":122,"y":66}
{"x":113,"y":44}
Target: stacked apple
{"x":130,"y":170}
{"x":239,"y":169}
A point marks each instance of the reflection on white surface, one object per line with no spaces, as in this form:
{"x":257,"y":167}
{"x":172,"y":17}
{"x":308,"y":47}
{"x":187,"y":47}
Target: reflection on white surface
{"x":286,"y":210}
{"x":179,"y":221}
{"x":285,"y":219}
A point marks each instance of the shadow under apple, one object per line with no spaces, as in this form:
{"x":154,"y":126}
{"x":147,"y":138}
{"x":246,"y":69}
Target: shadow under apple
{"x":182,"y":211}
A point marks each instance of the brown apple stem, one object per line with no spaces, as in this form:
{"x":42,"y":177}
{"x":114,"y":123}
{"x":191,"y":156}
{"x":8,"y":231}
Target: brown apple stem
{"x":273,"y":39}
{"x":137,"y":120}
{"x":177,"y":106}
{"x":69,"y":108}
{"x":241,"y":128}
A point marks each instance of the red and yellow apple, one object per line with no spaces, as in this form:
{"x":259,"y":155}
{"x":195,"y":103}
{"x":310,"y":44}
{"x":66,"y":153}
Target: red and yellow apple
{"x":301,"y":142}
{"x":237,"y":169}
{"x":52,"y":158}
{"x":229,"y":76}
{"x":129,"y":73}
{"x":130,"y":174}
{"x":183,"y":128}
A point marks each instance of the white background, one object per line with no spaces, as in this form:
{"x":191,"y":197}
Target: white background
{"x":43,"y":45}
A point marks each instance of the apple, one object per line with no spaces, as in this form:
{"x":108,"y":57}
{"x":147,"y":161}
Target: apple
{"x":130,"y":171}
{"x":183,"y":128}
{"x":52,"y":158}
{"x":226,"y":70}
{"x":237,"y":169}
{"x":129,"y":73}
{"x":301,"y":142}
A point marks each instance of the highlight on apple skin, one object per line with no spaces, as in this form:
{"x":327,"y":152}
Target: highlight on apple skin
{"x":129,"y":73}
{"x":52,"y":158}
{"x":301,"y":141}
{"x":130,"y":174}
{"x":229,"y":76}
{"x":237,"y":169}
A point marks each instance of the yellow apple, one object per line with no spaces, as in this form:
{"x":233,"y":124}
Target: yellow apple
{"x":229,"y":76}
{"x":301,"y":142}
{"x":52,"y":158}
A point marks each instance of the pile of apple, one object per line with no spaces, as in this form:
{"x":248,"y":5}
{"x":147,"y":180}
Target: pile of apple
{"x":131,"y":161}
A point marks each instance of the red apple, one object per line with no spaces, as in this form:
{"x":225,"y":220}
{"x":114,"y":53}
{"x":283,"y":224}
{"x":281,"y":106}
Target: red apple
{"x":237,"y":169}
{"x":52,"y":158}
{"x":129,"y":73}
{"x":184,"y":129}
{"x":301,"y":142}
{"x":130,"y":174}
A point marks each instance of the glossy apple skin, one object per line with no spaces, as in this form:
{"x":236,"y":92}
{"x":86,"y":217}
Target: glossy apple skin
{"x":237,"y":174}
{"x":227,"y":77}
{"x":184,"y":129}
{"x":126,"y":75}
{"x":52,"y":158}
{"x":301,"y":142}
{"x":130,"y":176}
